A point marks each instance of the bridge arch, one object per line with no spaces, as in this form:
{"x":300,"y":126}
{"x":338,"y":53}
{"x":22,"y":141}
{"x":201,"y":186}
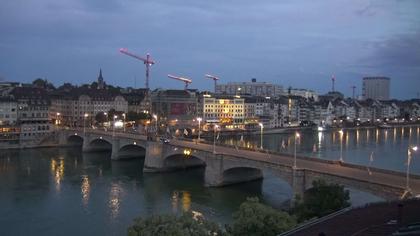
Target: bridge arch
{"x":181,"y":160}
{"x":131,"y":150}
{"x":99,"y":144}
{"x":75,"y":140}
{"x":241,"y":174}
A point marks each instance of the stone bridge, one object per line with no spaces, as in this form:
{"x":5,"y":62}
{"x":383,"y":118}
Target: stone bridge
{"x":229,"y":165}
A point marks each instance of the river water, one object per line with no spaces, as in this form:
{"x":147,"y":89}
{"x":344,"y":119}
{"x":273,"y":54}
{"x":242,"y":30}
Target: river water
{"x":382,"y":148}
{"x":66,"y":192}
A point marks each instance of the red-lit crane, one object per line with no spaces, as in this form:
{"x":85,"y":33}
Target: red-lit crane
{"x":214,"y":78}
{"x":185,"y":80}
{"x":147,"y":61}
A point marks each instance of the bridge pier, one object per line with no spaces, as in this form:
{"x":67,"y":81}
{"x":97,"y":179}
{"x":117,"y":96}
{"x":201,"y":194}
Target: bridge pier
{"x":85,"y":146}
{"x":299,"y":184}
{"x":213,"y":175}
{"x":115,"y":149}
{"x":154,"y":159}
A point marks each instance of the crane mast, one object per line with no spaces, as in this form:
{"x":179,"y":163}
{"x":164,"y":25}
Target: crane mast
{"x":214,"y":78}
{"x":146,"y":61}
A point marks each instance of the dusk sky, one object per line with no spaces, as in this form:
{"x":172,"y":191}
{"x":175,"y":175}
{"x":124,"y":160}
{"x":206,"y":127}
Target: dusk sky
{"x":289,"y":42}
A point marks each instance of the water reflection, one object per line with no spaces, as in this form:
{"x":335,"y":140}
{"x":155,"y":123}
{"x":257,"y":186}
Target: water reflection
{"x":181,"y":196}
{"x":57,"y":171}
{"x":114,"y":201}
{"x":85,"y":190}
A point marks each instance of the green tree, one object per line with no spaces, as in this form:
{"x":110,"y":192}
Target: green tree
{"x":184,"y":225}
{"x":320,"y":200}
{"x":254,"y":218}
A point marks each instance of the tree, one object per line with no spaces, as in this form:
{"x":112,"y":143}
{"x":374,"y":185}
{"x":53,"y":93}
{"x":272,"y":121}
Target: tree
{"x":134,"y":116}
{"x":254,"y":218}
{"x":184,"y":225}
{"x":101,"y":117}
{"x":320,"y":200}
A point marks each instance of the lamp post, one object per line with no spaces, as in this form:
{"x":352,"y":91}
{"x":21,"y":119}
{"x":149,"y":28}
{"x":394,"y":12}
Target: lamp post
{"x":409,"y":155}
{"x":58,"y":119}
{"x":297,"y":136}
{"x":123,"y":121}
{"x":214,"y":138}
{"x":341,"y":145}
{"x":113,"y":126}
{"x":261,"y":134}
{"x":84,"y":123}
{"x":156,"y":124}
{"x":199,"y":127}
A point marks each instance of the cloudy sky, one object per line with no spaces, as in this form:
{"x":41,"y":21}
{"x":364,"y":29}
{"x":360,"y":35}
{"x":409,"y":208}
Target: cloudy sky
{"x":298,"y":43}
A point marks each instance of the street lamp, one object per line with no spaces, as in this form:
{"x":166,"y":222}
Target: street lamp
{"x":341,"y":145}
{"x":156,"y":124}
{"x":409,"y":155}
{"x":261,"y":134}
{"x":123,"y":121}
{"x":199,"y":127}
{"x":58,"y":118}
{"x":214,"y":138}
{"x":297,"y":136}
{"x":113,"y":126}
{"x":84,"y":123}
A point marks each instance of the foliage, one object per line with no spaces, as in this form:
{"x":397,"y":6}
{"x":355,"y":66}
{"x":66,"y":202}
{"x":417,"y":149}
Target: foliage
{"x":43,"y":83}
{"x":322,"y":199}
{"x":184,"y":225}
{"x":134,"y":116}
{"x":101,"y":117}
{"x":254,"y":218}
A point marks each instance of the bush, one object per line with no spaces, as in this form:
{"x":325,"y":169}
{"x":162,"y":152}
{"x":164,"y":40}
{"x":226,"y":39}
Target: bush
{"x":322,"y":199}
{"x":184,"y":225}
{"x":254,"y":218}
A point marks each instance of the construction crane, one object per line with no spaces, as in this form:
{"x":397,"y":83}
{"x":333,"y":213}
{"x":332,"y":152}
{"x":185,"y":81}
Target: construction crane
{"x":185,"y":80}
{"x":214,"y":78}
{"x":333,"y":83}
{"x":354,"y":89}
{"x":147,"y":61}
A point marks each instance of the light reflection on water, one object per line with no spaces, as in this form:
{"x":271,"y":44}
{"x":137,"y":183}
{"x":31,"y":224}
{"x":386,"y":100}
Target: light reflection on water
{"x":358,"y":144}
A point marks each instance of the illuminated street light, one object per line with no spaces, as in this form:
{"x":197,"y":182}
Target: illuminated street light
{"x":409,"y":156}
{"x":84,"y":123}
{"x":214,"y":138}
{"x":341,"y":145}
{"x":113,"y":126}
{"x":297,"y":136}
{"x":156,"y":124}
{"x":261,"y":134}
{"x":123,"y":121}
{"x":199,"y":127}
{"x":58,"y":118}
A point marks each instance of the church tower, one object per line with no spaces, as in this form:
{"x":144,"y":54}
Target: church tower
{"x":101,"y":83}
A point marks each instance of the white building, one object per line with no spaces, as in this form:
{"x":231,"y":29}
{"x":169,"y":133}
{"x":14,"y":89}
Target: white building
{"x":376,"y":88}
{"x":8,"y":111}
{"x":253,"y":88}
{"x":305,"y":93}
{"x":229,"y":112}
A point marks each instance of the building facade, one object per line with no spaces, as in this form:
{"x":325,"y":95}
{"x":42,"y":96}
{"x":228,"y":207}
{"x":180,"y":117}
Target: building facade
{"x":227,"y":111}
{"x":253,"y":88}
{"x":376,"y":88}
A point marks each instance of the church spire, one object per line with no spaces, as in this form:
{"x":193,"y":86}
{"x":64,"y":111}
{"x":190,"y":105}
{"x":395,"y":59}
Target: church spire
{"x":101,"y":83}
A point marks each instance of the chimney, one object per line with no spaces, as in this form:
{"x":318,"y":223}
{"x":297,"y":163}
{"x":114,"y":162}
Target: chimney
{"x":254,"y":80}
